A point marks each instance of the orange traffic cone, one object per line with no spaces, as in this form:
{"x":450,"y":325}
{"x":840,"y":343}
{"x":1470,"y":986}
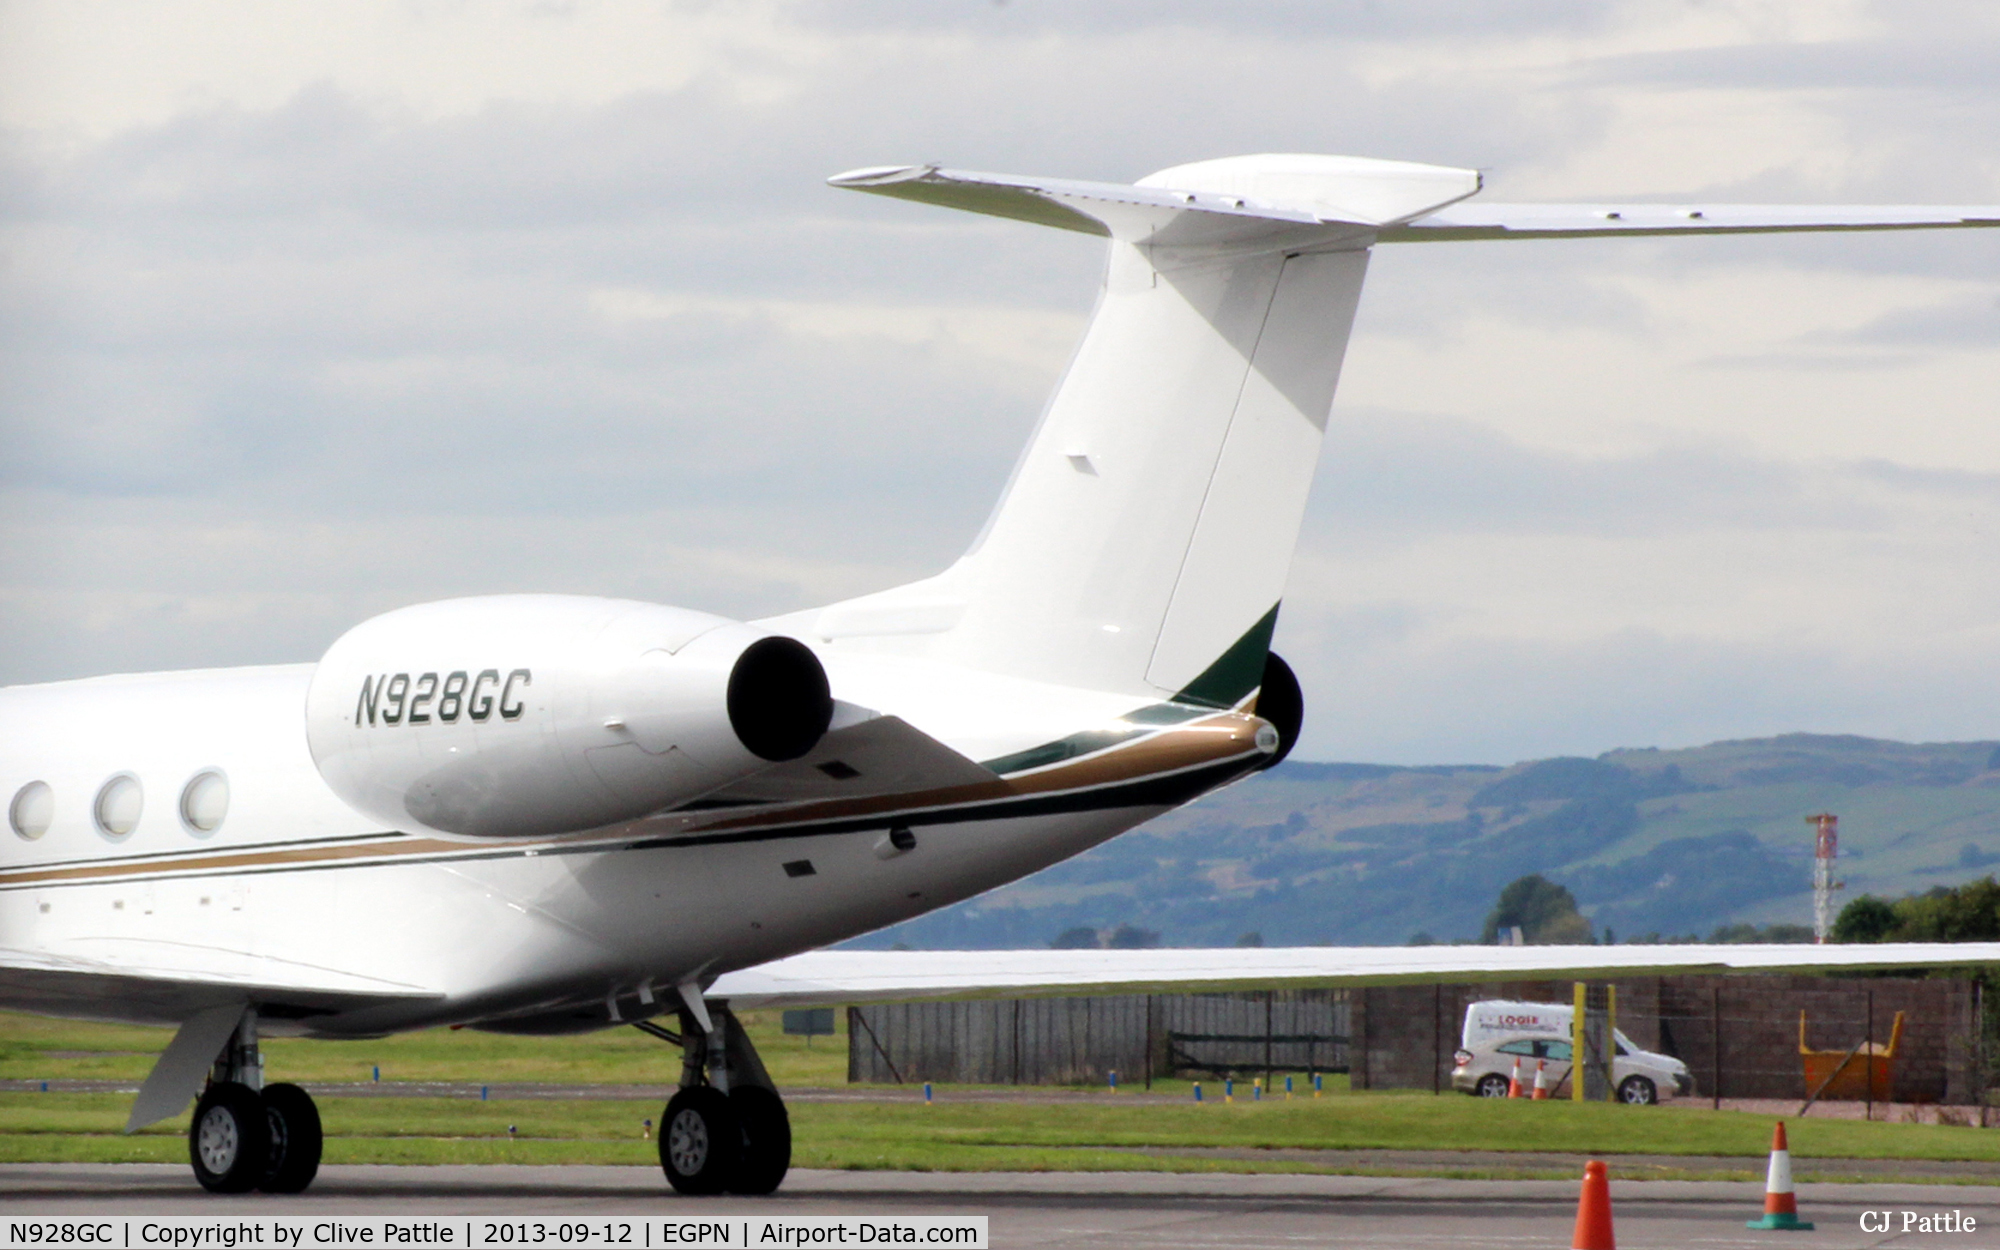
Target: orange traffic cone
{"x":1781,"y":1209}
{"x":1514,"y":1081}
{"x":1541,"y":1080}
{"x":1593,"y":1211}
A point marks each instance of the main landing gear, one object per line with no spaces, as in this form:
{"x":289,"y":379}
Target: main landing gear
{"x":726,"y":1131}
{"x":248,"y":1135}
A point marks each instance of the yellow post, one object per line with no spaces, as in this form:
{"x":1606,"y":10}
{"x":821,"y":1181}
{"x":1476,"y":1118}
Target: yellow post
{"x":1610,"y":1043}
{"x":1576,"y":1058}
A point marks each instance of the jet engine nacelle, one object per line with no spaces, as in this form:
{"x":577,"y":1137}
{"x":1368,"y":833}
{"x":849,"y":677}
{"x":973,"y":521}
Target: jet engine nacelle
{"x":531,"y":715}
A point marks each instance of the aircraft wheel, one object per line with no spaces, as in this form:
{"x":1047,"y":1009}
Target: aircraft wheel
{"x":229,"y":1139}
{"x":767,"y":1140}
{"x":700,"y":1141}
{"x":293,"y":1121}
{"x":1492,"y":1085}
{"x":1638,"y":1091}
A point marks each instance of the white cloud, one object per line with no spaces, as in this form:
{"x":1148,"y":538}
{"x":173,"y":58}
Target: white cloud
{"x":1010,"y":338}
{"x":315,"y":309}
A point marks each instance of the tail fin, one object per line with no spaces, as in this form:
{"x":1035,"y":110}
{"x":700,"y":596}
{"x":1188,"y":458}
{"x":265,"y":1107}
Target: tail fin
{"x":1144,"y":540}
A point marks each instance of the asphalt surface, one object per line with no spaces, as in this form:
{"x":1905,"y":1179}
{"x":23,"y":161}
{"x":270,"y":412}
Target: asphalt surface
{"x":1168,"y":1210}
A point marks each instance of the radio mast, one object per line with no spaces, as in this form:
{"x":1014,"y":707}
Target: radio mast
{"x":1825,"y":847}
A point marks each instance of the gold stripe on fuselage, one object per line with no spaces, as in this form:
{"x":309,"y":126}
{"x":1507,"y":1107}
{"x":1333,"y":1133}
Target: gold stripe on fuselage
{"x":1177,"y":749}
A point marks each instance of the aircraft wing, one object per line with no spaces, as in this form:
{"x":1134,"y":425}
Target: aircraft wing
{"x":1476,"y":220}
{"x":167,"y":982}
{"x":837,"y":977}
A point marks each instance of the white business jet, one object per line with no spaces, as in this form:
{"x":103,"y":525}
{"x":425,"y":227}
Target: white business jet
{"x":542,"y":814}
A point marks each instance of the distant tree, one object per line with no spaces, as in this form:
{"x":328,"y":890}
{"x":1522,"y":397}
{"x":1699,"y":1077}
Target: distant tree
{"x":1079,"y":938}
{"x":1866,"y":919}
{"x":1252,"y":938}
{"x":1130,"y":937}
{"x":1421,"y":937}
{"x":1544,"y":911}
{"x":1969,"y":912}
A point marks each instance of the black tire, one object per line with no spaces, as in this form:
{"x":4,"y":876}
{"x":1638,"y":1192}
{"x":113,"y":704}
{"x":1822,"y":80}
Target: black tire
{"x":293,"y":1158}
{"x":700,"y":1141}
{"x":767,"y":1140}
{"x":229,"y":1139}
{"x":1637,"y":1091}
{"x":1492,"y":1085}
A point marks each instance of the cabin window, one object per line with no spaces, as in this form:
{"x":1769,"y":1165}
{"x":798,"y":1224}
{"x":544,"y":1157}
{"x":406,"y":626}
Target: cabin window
{"x":33,"y":808}
{"x":204,"y":802}
{"x":119,"y":802}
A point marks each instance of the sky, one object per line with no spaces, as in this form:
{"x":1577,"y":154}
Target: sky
{"x":311,"y":311}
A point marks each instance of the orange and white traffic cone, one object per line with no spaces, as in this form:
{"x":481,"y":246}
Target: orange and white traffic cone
{"x":1781,"y":1209}
{"x":1541,"y":1080}
{"x":1593,"y":1211}
{"x":1514,"y":1081}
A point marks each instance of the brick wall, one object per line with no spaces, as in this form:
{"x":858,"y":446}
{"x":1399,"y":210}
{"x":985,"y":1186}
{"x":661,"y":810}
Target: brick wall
{"x":1759,"y":1034}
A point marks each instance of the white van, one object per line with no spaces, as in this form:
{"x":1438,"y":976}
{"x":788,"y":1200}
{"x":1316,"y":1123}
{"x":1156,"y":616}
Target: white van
{"x":1498,"y":1032}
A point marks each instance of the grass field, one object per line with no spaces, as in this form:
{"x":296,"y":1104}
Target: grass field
{"x":947,"y":1135}
{"x":36,"y":1049}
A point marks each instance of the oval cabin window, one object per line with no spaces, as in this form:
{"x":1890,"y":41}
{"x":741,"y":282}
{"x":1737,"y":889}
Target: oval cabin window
{"x":32,"y":810}
{"x":204,"y":802}
{"x":118,"y":805}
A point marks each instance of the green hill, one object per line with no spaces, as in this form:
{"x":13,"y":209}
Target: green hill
{"x":1651,"y":842}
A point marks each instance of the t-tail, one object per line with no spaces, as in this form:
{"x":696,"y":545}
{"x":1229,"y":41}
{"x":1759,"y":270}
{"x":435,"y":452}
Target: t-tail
{"x":1143,"y":543}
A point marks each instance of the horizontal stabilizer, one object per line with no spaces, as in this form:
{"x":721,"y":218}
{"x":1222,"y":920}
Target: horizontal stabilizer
{"x":1215,"y":201}
{"x":1559,"y":221}
{"x":842,"y":976}
{"x":1207,"y":202}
